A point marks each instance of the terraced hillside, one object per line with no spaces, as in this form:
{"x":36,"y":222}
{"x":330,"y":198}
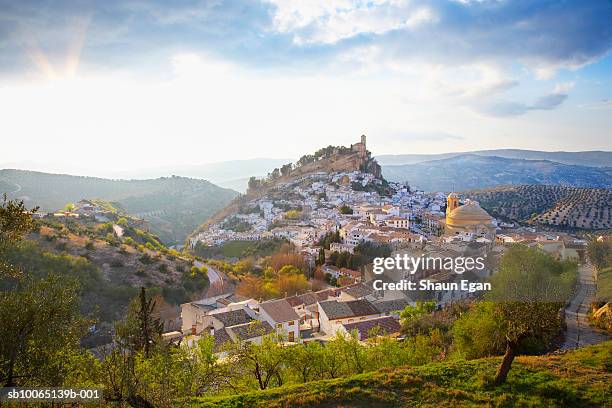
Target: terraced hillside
{"x":471,"y":171}
{"x":572,"y":207}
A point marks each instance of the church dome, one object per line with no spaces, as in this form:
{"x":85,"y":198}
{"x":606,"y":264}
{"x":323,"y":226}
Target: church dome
{"x":469,"y":214}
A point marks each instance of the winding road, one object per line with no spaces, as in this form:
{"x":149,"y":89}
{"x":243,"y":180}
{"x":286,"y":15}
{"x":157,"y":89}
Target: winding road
{"x":216,"y":279}
{"x":579,"y":332}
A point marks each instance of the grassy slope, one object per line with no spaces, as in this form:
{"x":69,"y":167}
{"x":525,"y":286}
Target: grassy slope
{"x":604,"y":284}
{"x":578,"y":378}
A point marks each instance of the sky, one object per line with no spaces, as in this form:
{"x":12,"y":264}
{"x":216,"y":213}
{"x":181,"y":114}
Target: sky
{"x":128,"y":84}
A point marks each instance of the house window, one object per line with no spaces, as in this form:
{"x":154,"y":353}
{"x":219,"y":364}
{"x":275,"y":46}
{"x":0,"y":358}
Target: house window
{"x":290,"y":323}
{"x":279,"y":325}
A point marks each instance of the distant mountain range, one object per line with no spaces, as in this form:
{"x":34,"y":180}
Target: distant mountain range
{"x":232,"y":174}
{"x":588,"y":158}
{"x":472,"y":171}
{"x":175,"y":206}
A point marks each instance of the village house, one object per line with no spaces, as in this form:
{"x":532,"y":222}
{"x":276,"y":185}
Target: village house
{"x":381,"y":326}
{"x":282,"y":317}
{"x":332,"y":314}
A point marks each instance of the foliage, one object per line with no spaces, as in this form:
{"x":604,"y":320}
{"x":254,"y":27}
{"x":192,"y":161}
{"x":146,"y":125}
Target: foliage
{"x":139,"y":330}
{"x":258,"y":363}
{"x":282,"y":258}
{"x":600,"y":255}
{"x":293,"y":214}
{"x":39,"y":326}
{"x":480,"y":333}
{"x":329,"y":238}
{"x":345,"y":209}
{"x":577,"y":378}
{"x":236,"y":224}
{"x":15,"y":222}
{"x":196,"y":279}
{"x":528,"y":291}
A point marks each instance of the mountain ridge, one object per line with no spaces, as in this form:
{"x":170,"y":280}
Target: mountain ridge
{"x":472,"y":171}
{"x":591,"y":158}
{"x":167,"y":202}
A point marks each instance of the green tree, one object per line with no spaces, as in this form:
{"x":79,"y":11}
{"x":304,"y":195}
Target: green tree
{"x":600,"y":253}
{"x":321,"y":257}
{"x":140,"y":330}
{"x":480,"y":332}
{"x":40,"y":327}
{"x":412,"y":312}
{"x":15,"y":222}
{"x":528,"y":291}
{"x":263,"y":363}
{"x":253,"y":183}
{"x":303,"y":360}
{"x":286,"y":169}
{"x":345,"y":209}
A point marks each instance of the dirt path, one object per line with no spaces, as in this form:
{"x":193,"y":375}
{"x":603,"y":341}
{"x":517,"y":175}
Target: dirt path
{"x":579,"y":333}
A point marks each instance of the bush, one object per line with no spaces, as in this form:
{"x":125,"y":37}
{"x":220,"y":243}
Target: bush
{"x":116,"y":263}
{"x":146,"y":259}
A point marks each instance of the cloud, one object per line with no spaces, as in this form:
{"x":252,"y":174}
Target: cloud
{"x":603,"y":104}
{"x":564,"y":87}
{"x":544,"y":35}
{"x":507,"y":109}
{"x":330,"y":21}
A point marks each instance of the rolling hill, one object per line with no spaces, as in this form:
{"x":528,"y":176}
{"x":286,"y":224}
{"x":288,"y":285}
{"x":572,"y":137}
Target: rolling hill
{"x":587,"y":158}
{"x":110,"y":260}
{"x":569,"y":207}
{"x":471,"y":171}
{"x":579,"y":378}
{"x":175,"y":206}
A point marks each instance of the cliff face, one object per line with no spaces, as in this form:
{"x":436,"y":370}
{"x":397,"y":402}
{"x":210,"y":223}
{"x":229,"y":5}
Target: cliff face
{"x":340,"y":162}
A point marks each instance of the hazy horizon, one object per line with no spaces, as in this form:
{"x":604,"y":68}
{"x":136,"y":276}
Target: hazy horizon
{"x":216,"y":170}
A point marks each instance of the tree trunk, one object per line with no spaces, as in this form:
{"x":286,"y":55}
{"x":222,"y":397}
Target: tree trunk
{"x":506,"y":364}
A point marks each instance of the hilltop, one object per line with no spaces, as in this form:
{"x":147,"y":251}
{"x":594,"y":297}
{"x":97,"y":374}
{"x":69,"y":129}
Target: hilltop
{"x":173,"y":205}
{"x":325,"y":161}
{"x":471,"y":171}
{"x":559,"y":206}
{"x":579,"y":378}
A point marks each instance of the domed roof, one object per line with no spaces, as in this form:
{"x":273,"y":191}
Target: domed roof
{"x":470,"y":212}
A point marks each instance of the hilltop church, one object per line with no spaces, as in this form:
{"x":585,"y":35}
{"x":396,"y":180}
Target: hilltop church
{"x":467,"y":218}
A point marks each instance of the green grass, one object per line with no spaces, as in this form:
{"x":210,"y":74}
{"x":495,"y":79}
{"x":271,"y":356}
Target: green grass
{"x":604,"y":285}
{"x":576,"y":379}
{"x":235,"y":249}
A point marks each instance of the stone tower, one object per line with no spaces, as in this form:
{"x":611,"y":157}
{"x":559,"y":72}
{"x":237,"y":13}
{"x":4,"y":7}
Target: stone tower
{"x":363,"y":151}
{"x":452,"y":202}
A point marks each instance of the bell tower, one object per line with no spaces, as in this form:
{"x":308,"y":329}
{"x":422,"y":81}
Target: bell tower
{"x":452,"y":202}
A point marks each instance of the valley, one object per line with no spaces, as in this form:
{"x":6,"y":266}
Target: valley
{"x":174,"y":206}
